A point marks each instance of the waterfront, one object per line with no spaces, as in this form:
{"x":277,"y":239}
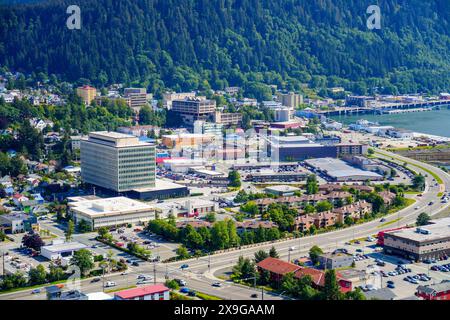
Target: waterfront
{"x":435,"y":122}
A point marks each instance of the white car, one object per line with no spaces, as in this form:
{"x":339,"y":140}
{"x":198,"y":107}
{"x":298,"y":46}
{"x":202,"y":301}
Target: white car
{"x":110,"y":284}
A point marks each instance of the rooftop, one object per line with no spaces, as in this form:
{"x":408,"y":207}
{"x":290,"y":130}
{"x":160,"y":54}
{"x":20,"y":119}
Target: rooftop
{"x":64,"y":247}
{"x":108,"y":206}
{"x":282,"y":188}
{"x":338,"y":168}
{"x":277,"y":266}
{"x":140,"y":292}
{"x":439,"y":229}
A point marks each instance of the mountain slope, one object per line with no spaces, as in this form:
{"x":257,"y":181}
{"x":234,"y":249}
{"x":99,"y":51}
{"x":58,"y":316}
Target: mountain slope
{"x":180,"y":43}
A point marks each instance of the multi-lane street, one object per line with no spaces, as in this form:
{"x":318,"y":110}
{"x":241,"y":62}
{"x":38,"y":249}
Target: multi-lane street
{"x":200,"y":274}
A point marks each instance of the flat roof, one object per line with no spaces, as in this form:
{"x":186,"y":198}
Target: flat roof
{"x":338,"y":168}
{"x":282,"y":188}
{"x":437,"y":230}
{"x":108,"y":206}
{"x":161,"y":185}
{"x":64,"y":247}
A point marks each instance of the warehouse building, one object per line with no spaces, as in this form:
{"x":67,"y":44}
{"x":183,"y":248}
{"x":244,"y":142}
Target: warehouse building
{"x":339,"y":171}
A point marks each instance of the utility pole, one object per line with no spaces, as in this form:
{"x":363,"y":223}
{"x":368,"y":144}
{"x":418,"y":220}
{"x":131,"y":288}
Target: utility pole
{"x":209,"y":261}
{"x":154,"y":273}
{"x":3,"y":254}
{"x":262,"y":293}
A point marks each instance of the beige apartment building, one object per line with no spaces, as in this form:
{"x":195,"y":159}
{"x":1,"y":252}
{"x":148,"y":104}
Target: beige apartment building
{"x":87,"y":94}
{"x":169,"y":97}
{"x":117,"y":161}
{"x":291,"y":99}
{"x":136,"y":98}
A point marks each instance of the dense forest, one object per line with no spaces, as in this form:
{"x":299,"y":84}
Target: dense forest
{"x":202,"y":44}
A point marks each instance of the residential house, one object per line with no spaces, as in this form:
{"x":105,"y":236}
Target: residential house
{"x":277,"y":268}
{"x":303,"y":223}
{"x":255,"y":224}
{"x":388,"y":197}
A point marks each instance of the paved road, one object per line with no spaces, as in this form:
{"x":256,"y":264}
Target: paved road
{"x":200,"y":273}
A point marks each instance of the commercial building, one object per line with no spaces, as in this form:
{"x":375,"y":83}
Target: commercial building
{"x":335,"y":260}
{"x":136,"y":98}
{"x":153,"y":292}
{"x":359,"y":101}
{"x":427,"y":242}
{"x":282,"y":191}
{"x":193,"y":109}
{"x":61,"y":250}
{"x":227,"y":119}
{"x":169,"y":97}
{"x":210,"y":128}
{"x":111,"y":212}
{"x":139,"y":131}
{"x":181,"y":165}
{"x":87,"y":94}
{"x":117,"y":161}
{"x":188,"y":208}
{"x":262,"y":177}
{"x":297,"y":148}
{"x":350,"y":149}
{"x":186,"y":140}
{"x":162,"y":190}
{"x":338,"y":170}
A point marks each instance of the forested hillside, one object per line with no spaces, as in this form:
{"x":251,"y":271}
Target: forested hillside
{"x":197,"y":44}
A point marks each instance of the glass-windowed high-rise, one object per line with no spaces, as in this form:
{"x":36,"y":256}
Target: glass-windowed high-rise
{"x":117,"y":161}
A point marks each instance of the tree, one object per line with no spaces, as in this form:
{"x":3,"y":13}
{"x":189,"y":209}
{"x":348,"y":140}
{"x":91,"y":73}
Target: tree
{"x":33,"y":241}
{"x":211,"y":217}
{"x":84,"y":260}
{"x":182,"y":252}
{"x":234,"y":179}
{"x":371,"y":151}
{"x":323,"y":206}
{"x":312,"y":186}
{"x":331,"y":289}
{"x":273,"y":253}
{"x":251,"y":208}
{"x":260,"y":255}
{"x":103,"y":232}
{"x":423,"y":219}
{"x":83,"y":226}
{"x":418,"y":182}
{"x":314,"y":254}
{"x":349,"y":220}
{"x":55,"y":273}
{"x":37,"y":275}
{"x":172,"y":284}
{"x":69,"y":231}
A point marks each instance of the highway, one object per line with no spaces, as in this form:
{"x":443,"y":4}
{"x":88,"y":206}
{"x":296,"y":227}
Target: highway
{"x":200,"y":274}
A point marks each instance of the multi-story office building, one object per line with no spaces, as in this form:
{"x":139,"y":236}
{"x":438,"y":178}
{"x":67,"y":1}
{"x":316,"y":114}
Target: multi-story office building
{"x":117,"y":161}
{"x":427,"y":242}
{"x":203,"y":127}
{"x":227,"y":119}
{"x":136,"y":98}
{"x":169,"y":97}
{"x":87,"y":94}
{"x":193,"y":109}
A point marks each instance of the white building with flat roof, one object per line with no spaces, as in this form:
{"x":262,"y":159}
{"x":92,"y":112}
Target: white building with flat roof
{"x":111,"y":212}
{"x":61,"y":250}
{"x":117,"y":161}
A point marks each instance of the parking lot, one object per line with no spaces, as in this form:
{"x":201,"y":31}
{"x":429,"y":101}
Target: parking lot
{"x":384,"y":270}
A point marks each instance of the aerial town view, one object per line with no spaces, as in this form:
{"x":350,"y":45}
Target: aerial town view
{"x":254,"y":150}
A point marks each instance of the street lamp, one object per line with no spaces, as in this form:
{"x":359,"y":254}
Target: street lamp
{"x":289,"y":253}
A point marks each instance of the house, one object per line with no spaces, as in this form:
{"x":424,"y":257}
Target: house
{"x":440,"y":291}
{"x":18,"y":222}
{"x":350,"y":279}
{"x":277,"y":268}
{"x":317,"y":276}
{"x":153,"y":292}
{"x":336,"y":196}
{"x":263,"y":204}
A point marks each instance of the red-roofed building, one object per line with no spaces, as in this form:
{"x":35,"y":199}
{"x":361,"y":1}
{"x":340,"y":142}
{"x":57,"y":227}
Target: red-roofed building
{"x":317,"y":276}
{"x":153,"y":292}
{"x":277,"y":268}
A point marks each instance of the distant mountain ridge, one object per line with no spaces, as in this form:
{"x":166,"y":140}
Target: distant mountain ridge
{"x":183,"y":43}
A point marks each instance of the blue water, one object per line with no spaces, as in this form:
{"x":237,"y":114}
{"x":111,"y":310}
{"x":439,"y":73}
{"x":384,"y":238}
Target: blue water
{"x":435,"y":122}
